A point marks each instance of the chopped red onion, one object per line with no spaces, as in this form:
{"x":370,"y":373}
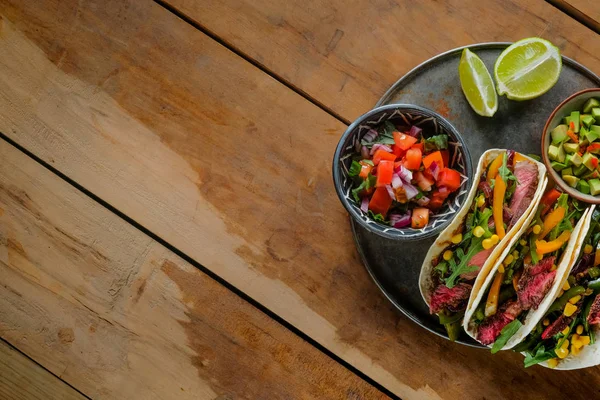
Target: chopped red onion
{"x":423,"y":201}
{"x":510,"y":157}
{"x":415,"y":131}
{"x":378,"y":146}
{"x":400,"y":221}
{"x":486,"y":188}
{"x":405,"y":174}
{"x":370,"y":136}
{"x":364,"y":152}
{"x":443,"y":190}
{"x":396,"y":181}
{"x":434,"y":170}
{"x":410,"y":190}
{"x":364,"y":205}
{"x":391,"y":192}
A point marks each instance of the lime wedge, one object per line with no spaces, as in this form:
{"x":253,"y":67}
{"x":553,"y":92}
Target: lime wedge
{"x":477,"y":84}
{"x":527,"y":69}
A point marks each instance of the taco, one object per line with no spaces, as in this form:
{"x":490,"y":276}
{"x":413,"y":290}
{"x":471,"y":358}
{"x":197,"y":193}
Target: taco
{"x":506,"y":189}
{"x":567,"y":333}
{"x":519,"y":287}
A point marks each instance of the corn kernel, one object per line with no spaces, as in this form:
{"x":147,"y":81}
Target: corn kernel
{"x":478,"y":231}
{"x":565,"y":331}
{"x":576,"y":343}
{"x":447,"y":255}
{"x":546,"y":322}
{"x":575,"y":350}
{"x":495,"y":239}
{"x":588,"y":249}
{"x":515,"y":254}
{"x":552,"y":363}
{"x":480,"y":201}
{"x":523,"y":242}
{"x":566,"y":286}
{"x":562,"y":352}
{"x":509,"y":259}
{"x":579,"y":329}
{"x":501,"y":268}
{"x":565,"y":345}
{"x":487,"y":244}
{"x":456,"y":239}
{"x":585,"y":340}
{"x":569,"y":310}
{"x":537,"y":229}
{"x":574,"y":299}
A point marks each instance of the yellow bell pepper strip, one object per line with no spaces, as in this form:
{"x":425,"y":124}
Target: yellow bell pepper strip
{"x":494,"y":167}
{"x":552,"y":219}
{"x":498,"y":205}
{"x":544,"y":247}
{"x":597,"y":257}
{"x":518,"y":158}
{"x":491,"y":305}
{"x":515,"y":279}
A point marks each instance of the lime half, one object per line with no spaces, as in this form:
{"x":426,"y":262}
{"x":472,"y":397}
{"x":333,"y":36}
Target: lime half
{"x":477,"y":84}
{"x":527,"y":69}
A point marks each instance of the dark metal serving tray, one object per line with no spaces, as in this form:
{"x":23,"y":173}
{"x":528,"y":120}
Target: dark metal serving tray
{"x":394,"y":265}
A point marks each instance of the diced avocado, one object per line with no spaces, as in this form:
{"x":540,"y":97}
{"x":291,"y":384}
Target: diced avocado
{"x":566,"y":120}
{"x":593,"y":134}
{"x":586,"y":120}
{"x":557,"y":166}
{"x":575,"y":120}
{"x":583,"y":187}
{"x":559,"y":134}
{"x":582,"y":169}
{"x":592,"y":175}
{"x":571,"y":147}
{"x":571,"y":180}
{"x":583,"y":132}
{"x":588,"y":161}
{"x":596,"y":113}
{"x":553,"y":152}
{"x":590,"y":104}
{"x":594,"y":186}
{"x":566,"y":171}
{"x":562,"y":156}
{"x":575,"y":160}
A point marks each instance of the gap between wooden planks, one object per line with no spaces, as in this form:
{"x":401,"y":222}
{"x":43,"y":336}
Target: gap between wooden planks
{"x":230,"y":167}
{"x":117,"y":315}
{"x":585,"y":11}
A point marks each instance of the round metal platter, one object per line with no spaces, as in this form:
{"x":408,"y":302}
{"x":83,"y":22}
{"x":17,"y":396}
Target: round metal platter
{"x":395,"y":265}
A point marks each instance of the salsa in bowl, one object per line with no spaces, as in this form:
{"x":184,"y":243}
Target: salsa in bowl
{"x":402,"y":171}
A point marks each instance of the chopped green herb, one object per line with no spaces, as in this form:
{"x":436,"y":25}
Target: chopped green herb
{"x":365,"y":185}
{"x":438,"y":142}
{"x":505,"y":334}
{"x":377,"y":217}
{"x":462,"y":267}
{"x":540,"y":355}
{"x":355,"y":168}
{"x":505,"y":173}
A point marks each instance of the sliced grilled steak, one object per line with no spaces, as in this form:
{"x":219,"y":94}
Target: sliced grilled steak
{"x":527,"y":181}
{"x":477,"y":261}
{"x":491,"y":327}
{"x":454,"y":299}
{"x":557,"y":326}
{"x":535,"y":283}
{"x":542,"y":266}
{"x":594,"y":317}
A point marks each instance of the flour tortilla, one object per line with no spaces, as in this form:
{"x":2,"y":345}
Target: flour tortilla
{"x":426,"y":283}
{"x":564,"y":265}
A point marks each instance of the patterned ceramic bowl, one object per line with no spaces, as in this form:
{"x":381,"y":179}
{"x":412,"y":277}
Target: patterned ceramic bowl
{"x":402,"y":115}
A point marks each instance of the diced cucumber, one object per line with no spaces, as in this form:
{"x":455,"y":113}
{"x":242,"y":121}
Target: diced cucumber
{"x":583,"y":187}
{"x":566,"y":171}
{"x":559,"y":134}
{"x":571,"y":147}
{"x":571,"y":180}
{"x":575,"y":160}
{"x":567,"y":160}
{"x":575,"y":120}
{"x":582,"y":169}
{"x":596,"y":113}
{"x":587,"y":120}
{"x":594,"y":186}
{"x":590,"y":104}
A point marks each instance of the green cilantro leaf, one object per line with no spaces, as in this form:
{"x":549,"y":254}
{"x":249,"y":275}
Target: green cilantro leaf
{"x":354,"y":168}
{"x":438,"y":142}
{"x":505,"y":334}
{"x":540,"y":355}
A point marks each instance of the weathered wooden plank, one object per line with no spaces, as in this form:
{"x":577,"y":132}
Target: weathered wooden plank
{"x":346,"y":54}
{"x":117,"y":315}
{"x":232,"y":168}
{"x":589,"y":8}
{"x":22,"y":379}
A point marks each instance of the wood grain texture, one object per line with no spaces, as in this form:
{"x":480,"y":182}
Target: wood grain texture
{"x":591,"y":8}
{"x":22,"y":379}
{"x":233,"y":169}
{"x":346,"y":54}
{"x":117,"y":315}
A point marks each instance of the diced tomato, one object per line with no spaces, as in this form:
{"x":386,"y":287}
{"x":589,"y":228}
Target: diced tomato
{"x":449,"y":178}
{"x":382,"y":155}
{"x":397,"y":165}
{"x":423,"y":182}
{"x":385,"y":171}
{"x":420,"y":218}
{"x":548,"y":199}
{"x":419,"y":146}
{"x":591,"y":147}
{"x":436,"y":157}
{"x":398,"y":152}
{"x":594,"y":162}
{"x":404,"y":141}
{"x":437,"y":200}
{"x":446,"y":157}
{"x":381,"y":201}
{"x":413,"y":158}
{"x":365,"y":170}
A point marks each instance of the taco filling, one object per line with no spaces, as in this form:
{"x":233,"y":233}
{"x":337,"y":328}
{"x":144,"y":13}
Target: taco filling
{"x":528,"y":271}
{"x":568,"y":325}
{"x":506,"y":188}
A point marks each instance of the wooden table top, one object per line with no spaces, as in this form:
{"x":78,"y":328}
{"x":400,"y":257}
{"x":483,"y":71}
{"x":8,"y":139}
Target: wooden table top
{"x":168,"y":224}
